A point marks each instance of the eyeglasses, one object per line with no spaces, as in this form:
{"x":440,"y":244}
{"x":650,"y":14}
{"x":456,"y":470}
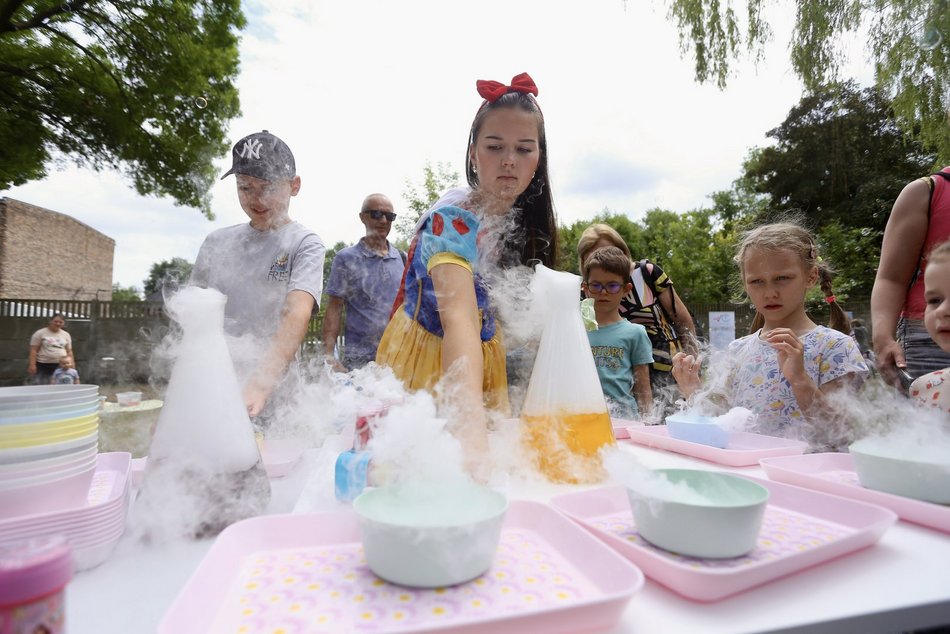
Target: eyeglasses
{"x":376,"y":214}
{"x":611,"y":287}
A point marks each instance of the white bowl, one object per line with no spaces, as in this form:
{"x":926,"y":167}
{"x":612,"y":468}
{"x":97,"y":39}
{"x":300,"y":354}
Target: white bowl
{"x":64,"y":493}
{"x":35,"y":452}
{"x":57,"y":473}
{"x":40,"y":407}
{"x":700,"y":513}
{"x":48,"y":394}
{"x":910,"y":474}
{"x":47,"y":415}
{"x":126,"y":399}
{"x":41,"y":466}
{"x":431,"y":536}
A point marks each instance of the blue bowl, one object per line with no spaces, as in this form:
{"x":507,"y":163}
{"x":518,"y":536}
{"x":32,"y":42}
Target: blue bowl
{"x":698,"y":429}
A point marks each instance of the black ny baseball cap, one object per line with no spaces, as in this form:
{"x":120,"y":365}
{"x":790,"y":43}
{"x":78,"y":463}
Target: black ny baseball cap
{"x":262,"y":155}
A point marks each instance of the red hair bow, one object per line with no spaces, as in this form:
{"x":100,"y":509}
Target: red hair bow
{"x":492,"y":90}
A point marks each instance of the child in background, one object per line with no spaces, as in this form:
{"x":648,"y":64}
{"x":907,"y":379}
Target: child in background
{"x":929,"y":389}
{"x":786,"y":368}
{"x":65,"y":374}
{"x":622,"y":351}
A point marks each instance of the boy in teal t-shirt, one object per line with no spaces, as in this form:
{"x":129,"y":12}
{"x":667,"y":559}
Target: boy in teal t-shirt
{"x":622,"y":351}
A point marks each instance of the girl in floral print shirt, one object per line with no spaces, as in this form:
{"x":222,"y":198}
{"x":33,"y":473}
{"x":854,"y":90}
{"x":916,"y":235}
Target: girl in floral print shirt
{"x":787,"y":367}
{"x":933,"y":389}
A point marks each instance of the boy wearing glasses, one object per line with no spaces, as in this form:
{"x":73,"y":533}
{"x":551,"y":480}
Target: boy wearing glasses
{"x":271,"y":269}
{"x":364,"y":279}
{"x":622,"y":351}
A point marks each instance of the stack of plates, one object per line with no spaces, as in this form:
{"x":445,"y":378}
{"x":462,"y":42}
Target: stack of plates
{"x":49,"y":437}
{"x":92,"y":529}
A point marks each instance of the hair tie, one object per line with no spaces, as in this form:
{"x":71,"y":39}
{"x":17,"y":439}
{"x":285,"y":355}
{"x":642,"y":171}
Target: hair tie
{"x":831,"y":299}
{"x":491,"y":91}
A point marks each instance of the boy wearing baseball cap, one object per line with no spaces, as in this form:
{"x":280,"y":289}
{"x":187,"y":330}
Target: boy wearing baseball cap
{"x":271,"y":269}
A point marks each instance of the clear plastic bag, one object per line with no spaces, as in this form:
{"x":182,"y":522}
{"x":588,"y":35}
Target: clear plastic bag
{"x":565,"y":417}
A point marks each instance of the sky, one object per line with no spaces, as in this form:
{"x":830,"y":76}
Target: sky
{"x":366,"y":92}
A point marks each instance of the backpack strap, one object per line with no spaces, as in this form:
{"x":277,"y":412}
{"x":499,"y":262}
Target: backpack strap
{"x":648,"y":279}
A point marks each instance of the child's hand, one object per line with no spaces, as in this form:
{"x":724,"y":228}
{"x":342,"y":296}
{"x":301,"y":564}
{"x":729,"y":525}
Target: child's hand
{"x":791,"y":353}
{"x":686,"y":372}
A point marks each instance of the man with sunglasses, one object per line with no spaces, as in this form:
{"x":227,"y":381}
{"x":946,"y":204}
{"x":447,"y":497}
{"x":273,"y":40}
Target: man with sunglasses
{"x":364,"y":280}
{"x":271,"y":270}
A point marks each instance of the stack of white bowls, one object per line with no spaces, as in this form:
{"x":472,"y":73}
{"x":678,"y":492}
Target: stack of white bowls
{"x":49,"y":439}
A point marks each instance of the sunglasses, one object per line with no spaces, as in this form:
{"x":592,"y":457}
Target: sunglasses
{"x":611,"y":287}
{"x":376,"y":214}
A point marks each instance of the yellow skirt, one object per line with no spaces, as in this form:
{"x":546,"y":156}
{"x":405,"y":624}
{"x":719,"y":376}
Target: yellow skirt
{"x":415,"y":356}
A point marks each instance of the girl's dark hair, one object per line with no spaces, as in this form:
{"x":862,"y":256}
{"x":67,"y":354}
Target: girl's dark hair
{"x":792,"y":237}
{"x":539,"y":241}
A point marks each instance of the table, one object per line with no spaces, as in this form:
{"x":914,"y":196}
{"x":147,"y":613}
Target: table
{"x":902,"y":583}
{"x":128,"y":427}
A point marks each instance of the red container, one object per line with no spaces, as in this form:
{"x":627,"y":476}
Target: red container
{"x":33,"y":577}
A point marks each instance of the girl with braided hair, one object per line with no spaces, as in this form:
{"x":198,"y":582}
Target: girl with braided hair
{"x":787,"y":367}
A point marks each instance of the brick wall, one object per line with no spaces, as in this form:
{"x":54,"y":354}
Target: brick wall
{"x":47,"y":254}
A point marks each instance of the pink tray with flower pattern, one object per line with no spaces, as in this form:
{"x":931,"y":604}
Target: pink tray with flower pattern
{"x":307,"y":573}
{"x":834,"y":473}
{"x":745,"y":449}
{"x":801,"y":528}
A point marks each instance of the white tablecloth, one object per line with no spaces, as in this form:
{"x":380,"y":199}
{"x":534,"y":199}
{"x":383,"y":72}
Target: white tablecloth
{"x":901,"y":583}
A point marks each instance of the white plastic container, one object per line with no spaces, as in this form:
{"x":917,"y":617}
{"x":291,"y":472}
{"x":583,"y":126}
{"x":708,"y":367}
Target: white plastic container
{"x":127,"y":399}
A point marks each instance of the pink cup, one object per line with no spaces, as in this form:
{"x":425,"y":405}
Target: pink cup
{"x":33,"y":577}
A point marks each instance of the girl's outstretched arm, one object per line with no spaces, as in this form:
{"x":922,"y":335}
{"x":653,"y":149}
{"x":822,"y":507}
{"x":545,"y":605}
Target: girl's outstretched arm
{"x":462,"y":354}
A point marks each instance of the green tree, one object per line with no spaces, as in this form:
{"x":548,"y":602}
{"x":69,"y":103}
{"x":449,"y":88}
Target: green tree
{"x":328,"y":260}
{"x":140,"y":86}
{"x":693,"y":248}
{"x":174,"y":270}
{"x":840,"y":161}
{"x":694,"y":251}
{"x":435,"y":180}
{"x":568,"y":237}
{"x":125,"y":294}
{"x":908,"y":40}
{"x":839,"y":156}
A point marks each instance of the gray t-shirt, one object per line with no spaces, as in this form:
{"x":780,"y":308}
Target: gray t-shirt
{"x":256,"y":270}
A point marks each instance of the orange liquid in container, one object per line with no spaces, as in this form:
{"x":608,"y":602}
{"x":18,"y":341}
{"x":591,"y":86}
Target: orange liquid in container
{"x":566,"y":446}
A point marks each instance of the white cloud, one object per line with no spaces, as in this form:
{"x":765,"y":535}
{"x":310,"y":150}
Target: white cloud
{"x":365,"y":92}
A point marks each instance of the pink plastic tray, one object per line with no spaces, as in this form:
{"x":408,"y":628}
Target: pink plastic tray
{"x":620,"y":427}
{"x":307,"y":573}
{"x":801,"y":528}
{"x":834,"y":473}
{"x":745,"y":449}
{"x":106,"y":494}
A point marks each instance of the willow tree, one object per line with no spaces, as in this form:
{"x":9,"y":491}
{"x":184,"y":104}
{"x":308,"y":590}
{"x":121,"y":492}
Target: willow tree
{"x":908,"y":41}
{"x":140,"y":86}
